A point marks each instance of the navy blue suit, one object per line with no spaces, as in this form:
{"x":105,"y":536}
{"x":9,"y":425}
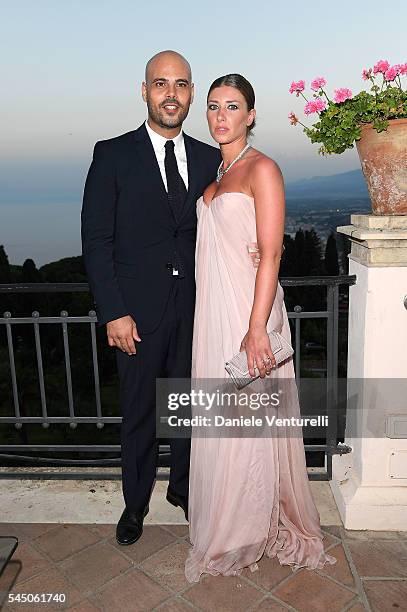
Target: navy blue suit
{"x":129,"y":237}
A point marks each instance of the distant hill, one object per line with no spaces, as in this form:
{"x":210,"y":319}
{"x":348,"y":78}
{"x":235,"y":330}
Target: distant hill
{"x":70,"y":269}
{"x":334,"y":187}
{"x":65,"y":270}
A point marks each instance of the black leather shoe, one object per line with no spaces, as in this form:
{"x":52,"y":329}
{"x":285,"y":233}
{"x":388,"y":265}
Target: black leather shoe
{"x":130,"y":526}
{"x":178,"y":500}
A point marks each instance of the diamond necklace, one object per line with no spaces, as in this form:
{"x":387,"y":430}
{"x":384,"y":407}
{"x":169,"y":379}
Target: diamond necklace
{"x":220,"y":172}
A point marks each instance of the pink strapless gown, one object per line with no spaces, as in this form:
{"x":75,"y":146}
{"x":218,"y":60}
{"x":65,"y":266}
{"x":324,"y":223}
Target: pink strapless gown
{"x":247,"y":496}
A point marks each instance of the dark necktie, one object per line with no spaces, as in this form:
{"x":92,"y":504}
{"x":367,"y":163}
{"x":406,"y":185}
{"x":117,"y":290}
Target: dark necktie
{"x":175,"y":185}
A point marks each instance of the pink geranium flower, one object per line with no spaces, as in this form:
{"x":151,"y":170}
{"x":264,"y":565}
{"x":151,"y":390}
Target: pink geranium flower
{"x":318,"y":83}
{"x":342,"y":94}
{"x":366,"y":74}
{"x":381,"y":66}
{"x":392,"y":72}
{"x":293,"y":118}
{"x":403,"y":68}
{"x":314,"y":106}
{"x":297,"y":87}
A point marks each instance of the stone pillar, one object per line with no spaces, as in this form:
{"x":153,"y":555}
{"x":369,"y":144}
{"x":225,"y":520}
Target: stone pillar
{"x":370,"y":483}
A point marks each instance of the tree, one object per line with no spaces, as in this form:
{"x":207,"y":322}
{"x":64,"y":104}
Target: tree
{"x":5,"y":272}
{"x":30,"y":273}
{"x":344,"y":248}
{"x":312,"y":253}
{"x":288,"y":261}
{"x":299,"y":244}
{"x":7,"y":301}
{"x":331,"y":256}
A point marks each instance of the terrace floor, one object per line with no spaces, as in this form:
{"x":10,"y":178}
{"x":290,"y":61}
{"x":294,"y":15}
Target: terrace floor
{"x":83,"y":560}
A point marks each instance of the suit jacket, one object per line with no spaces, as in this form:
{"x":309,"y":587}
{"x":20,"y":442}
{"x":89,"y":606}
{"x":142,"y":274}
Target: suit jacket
{"x":129,"y":233}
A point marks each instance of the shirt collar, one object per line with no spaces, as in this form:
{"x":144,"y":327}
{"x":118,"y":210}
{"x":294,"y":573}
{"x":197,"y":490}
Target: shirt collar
{"x":159,"y":141}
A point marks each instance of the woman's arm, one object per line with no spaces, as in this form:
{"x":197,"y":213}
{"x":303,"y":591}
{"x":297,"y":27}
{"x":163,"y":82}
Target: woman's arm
{"x":267,"y":186}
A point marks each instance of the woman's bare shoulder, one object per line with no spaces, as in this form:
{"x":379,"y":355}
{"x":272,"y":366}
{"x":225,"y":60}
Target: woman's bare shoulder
{"x":263,"y":163}
{"x":264,"y":167}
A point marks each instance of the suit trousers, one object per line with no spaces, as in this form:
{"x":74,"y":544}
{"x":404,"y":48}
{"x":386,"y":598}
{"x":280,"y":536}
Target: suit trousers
{"x":164,"y":353}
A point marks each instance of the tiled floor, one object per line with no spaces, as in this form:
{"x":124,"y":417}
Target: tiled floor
{"x":85,"y":563}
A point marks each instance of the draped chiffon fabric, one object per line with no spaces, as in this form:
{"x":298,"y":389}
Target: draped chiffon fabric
{"x":248,"y":496}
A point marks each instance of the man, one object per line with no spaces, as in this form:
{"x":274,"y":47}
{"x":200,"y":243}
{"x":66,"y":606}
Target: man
{"x":138,"y":242}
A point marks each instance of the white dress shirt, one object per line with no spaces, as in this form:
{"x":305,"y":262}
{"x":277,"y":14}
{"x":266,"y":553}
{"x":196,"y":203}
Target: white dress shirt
{"x":158,"y":143}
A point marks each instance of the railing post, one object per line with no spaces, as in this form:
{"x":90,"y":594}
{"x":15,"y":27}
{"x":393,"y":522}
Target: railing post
{"x":37,"y":336}
{"x":68,"y":373}
{"x":92,"y":314}
{"x":332,"y":372}
{"x":7,"y":316}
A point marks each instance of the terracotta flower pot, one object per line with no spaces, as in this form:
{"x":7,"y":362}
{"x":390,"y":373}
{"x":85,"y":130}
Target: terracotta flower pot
{"x":384,"y":163}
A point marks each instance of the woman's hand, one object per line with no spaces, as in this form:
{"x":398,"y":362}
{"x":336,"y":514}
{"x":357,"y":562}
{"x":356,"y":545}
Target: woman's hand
{"x":256,"y":343}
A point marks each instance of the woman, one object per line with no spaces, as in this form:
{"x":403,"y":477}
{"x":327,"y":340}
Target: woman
{"x":239,"y":506}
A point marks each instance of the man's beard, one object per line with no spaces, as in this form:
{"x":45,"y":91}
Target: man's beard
{"x":163,"y":120}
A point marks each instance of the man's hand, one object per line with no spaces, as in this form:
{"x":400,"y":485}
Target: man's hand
{"x":122,"y":333}
{"x":253,"y":250}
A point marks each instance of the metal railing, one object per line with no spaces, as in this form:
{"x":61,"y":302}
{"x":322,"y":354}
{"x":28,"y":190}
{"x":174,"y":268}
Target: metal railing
{"x":13,"y":451}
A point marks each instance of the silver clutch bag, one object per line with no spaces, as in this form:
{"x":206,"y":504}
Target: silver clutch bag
{"x":237,"y":366}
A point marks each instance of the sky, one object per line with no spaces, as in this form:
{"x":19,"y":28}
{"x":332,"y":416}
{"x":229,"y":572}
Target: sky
{"x":71,"y":75}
